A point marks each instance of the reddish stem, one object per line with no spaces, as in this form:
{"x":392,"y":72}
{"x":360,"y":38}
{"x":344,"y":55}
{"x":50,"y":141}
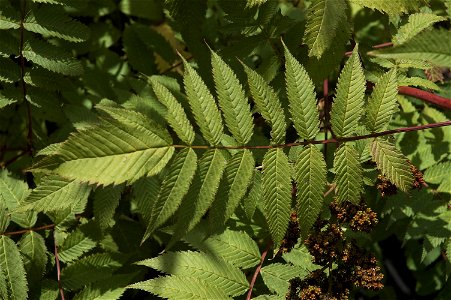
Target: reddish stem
{"x":58,"y":269}
{"x":257,"y":270}
{"x":425,"y":96}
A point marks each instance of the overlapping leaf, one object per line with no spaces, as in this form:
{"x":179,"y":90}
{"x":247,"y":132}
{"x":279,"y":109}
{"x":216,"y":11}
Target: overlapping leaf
{"x":202,"y":267}
{"x":175,"y":115}
{"x":322,"y":19}
{"x":382,"y":103}
{"x":310,"y":172}
{"x":123,"y":146}
{"x":277,"y":276}
{"x":301,"y":96}
{"x":268,"y":104}
{"x":53,"y":21}
{"x":431,"y":46}
{"x":34,"y":255}
{"x":393,"y":7}
{"x":348,"y":103}
{"x":105,"y":202}
{"x":181,"y":288}
{"x":56,"y":193}
{"x":203,"y":105}
{"x":11,"y":265}
{"x":236,"y":179}
{"x":276,"y":185}
{"x":348,"y":174}
{"x":416,"y":23}
{"x":173,"y":189}
{"x":232,"y":100}
{"x":392,"y":163}
{"x":201,"y":194}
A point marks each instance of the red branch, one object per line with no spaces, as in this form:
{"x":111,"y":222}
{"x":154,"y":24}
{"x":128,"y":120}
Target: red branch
{"x":425,"y":96}
{"x":58,"y":269}
{"x":257,"y":271}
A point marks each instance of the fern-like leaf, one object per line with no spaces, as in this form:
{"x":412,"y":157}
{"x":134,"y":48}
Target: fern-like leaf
{"x":53,"y":21}
{"x":268,"y":104}
{"x":430,"y":46}
{"x":203,"y":105}
{"x":181,"y":288}
{"x":393,"y":7}
{"x":323,"y":17}
{"x":173,"y":189}
{"x":348,"y":174}
{"x":277,"y":276}
{"x":11,"y":265}
{"x":51,"y":57}
{"x":382,"y":103}
{"x":311,"y":180}
{"x":56,"y":193}
{"x":276,"y":185}
{"x":235,"y":181}
{"x":78,"y":242}
{"x":232,"y":100}
{"x":175,"y":115}
{"x":123,"y":146}
{"x":302,"y":99}
{"x":348,"y":103}
{"x":235,"y":247}
{"x":105,"y":202}
{"x":202,"y":267}
{"x":34,"y":255}
{"x":202,"y":193}
{"x":416,"y":23}
{"x":392,"y":163}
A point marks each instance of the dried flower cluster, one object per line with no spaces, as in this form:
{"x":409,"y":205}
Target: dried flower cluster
{"x":349,"y":265}
{"x":292,"y":235}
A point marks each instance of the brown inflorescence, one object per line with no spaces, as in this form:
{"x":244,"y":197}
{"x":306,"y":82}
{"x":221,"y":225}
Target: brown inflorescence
{"x":418,"y":180}
{"x":292,"y":235}
{"x":323,"y":245}
{"x":360,"y":217}
{"x":385,"y":187}
{"x":364,"y":220}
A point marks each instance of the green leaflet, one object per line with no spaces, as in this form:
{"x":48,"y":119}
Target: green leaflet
{"x":145,"y":192}
{"x":55,"y":193}
{"x":13,"y":193}
{"x":235,"y":247}
{"x":277,"y":276}
{"x":392,"y":163}
{"x":34,"y":255}
{"x":115,"y":150}
{"x":417,"y":23}
{"x":310,"y":174}
{"x":54,"y":21}
{"x":323,"y":17}
{"x":105,"y":202}
{"x":438,"y":173}
{"x":89,"y":269}
{"x":276,"y":185}
{"x":202,"y":267}
{"x":382,"y":103}
{"x":51,"y":57}
{"x":175,"y":115}
{"x":201,"y":194}
{"x":9,"y":17}
{"x":232,"y":100}
{"x":431,"y":46}
{"x":254,"y":195}
{"x":78,"y":242}
{"x":348,"y":103}
{"x":174,"y":187}
{"x":302,"y":98}
{"x":11,"y":265}
{"x":268,"y":104}
{"x":348,"y":174}
{"x":5,"y":217}
{"x":109,"y":289}
{"x":236,"y":179}
{"x":181,"y":288}
{"x":203,"y":105}
{"x":393,"y":7}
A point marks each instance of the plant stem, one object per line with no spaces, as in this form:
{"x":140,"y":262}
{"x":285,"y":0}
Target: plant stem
{"x":326,"y":141}
{"x":425,"y":96}
{"x":58,"y":269}
{"x":257,"y":270}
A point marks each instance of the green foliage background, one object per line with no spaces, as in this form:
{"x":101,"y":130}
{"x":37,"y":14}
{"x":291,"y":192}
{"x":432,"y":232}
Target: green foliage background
{"x":146,"y":144}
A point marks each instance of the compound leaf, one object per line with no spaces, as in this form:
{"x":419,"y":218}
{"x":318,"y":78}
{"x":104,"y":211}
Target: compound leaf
{"x":348,"y":174}
{"x":11,"y":265}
